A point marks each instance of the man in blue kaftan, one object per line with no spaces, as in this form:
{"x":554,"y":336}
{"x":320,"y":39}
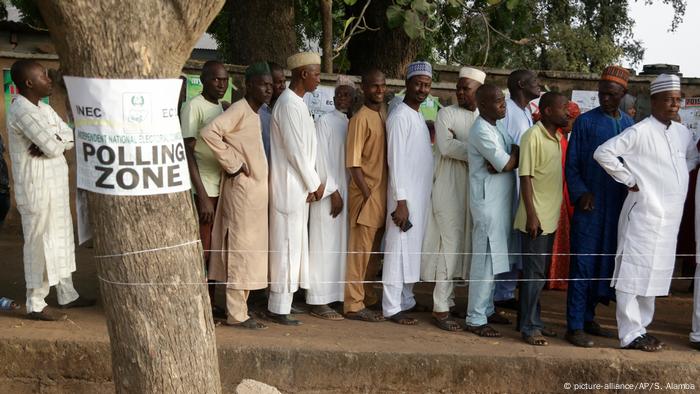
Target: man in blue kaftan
{"x":598,"y":200}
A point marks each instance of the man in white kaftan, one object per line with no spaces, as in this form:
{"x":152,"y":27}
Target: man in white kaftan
{"x":652,"y":158}
{"x":38,"y":137}
{"x":410,"y":161}
{"x":294,"y":182}
{"x":328,"y":222}
{"x":449,"y":222}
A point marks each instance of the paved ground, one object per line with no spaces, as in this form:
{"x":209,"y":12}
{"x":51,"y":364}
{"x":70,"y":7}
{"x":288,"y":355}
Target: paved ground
{"x":323,"y":356}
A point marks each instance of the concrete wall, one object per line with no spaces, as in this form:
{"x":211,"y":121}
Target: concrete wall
{"x":443,"y":87}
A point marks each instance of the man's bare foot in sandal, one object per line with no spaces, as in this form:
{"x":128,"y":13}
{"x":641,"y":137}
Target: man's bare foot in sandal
{"x":645,"y":344}
{"x":444,"y":321}
{"x":365,"y":315}
{"x":250,"y":324}
{"x":485,"y":331}
{"x":402,"y":318}
{"x":536,"y":339}
{"x":325,"y":312}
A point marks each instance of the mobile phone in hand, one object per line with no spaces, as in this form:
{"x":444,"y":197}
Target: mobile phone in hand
{"x":407,"y":226}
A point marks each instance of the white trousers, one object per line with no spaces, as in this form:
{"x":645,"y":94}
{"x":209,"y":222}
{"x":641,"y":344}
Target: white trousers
{"x":634,"y":313}
{"x":397,"y":297}
{"x":444,"y":292}
{"x":280,"y":303}
{"x":695,"y":335}
{"x":65,"y":293}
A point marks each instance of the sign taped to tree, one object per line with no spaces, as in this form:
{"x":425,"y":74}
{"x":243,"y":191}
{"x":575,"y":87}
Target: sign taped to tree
{"x":127,"y":136}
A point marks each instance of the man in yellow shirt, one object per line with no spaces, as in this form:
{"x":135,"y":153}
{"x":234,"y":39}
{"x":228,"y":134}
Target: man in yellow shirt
{"x":538,"y":211}
{"x":205,"y":171}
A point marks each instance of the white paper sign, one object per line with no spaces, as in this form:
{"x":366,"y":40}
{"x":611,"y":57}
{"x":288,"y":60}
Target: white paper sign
{"x":690,"y":114}
{"x":320,"y":101}
{"x":586,"y":99}
{"x":127,"y":136}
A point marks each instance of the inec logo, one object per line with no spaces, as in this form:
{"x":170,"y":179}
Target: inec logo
{"x":137,"y":111}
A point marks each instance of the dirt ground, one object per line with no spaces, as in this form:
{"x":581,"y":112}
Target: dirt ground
{"x":672,"y":324}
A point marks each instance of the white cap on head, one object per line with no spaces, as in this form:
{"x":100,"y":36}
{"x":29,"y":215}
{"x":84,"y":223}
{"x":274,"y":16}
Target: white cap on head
{"x":419,"y":68}
{"x":303,"y":59}
{"x":344,"y":80}
{"x":665,"y":83}
{"x":472,"y":73}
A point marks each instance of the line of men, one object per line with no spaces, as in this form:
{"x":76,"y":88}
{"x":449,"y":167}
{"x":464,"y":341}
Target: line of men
{"x":292,"y":197}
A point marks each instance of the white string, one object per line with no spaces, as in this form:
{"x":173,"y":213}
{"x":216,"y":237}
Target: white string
{"x":147,"y":250}
{"x":465,"y":281}
{"x":456,"y":253}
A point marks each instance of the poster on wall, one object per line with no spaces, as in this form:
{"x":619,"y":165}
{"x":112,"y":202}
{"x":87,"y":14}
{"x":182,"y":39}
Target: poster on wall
{"x":194,"y":87}
{"x":586,"y":99}
{"x":690,"y":113}
{"x":320,"y":101}
{"x":127,"y":136}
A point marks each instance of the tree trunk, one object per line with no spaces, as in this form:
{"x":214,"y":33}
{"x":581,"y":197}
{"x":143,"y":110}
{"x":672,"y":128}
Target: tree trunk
{"x":261,"y":30}
{"x":327,"y":37}
{"x":390,"y":50}
{"x":161,"y":336}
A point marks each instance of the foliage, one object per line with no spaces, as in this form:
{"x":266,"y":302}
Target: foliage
{"x":28,"y":12}
{"x":574,"y":35}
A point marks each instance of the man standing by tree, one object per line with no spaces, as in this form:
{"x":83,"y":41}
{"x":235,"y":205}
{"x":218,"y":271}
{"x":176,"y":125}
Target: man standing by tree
{"x":328,"y":224}
{"x":279,"y":83}
{"x":598,"y":200}
{"x":240,"y":235}
{"x":538,"y":212}
{"x":366,"y":159}
{"x":449,"y":221}
{"x":652,"y":159}
{"x":523,"y":86}
{"x":38,"y":137}
{"x":493,"y":158}
{"x":410,"y":161}
{"x":294,"y":183}
{"x":205,"y":171}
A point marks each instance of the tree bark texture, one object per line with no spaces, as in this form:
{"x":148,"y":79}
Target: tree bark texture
{"x":390,"y":50}
{"x":261,"y":30}
{"x":327,"y":37}
{"x":161,"y":336}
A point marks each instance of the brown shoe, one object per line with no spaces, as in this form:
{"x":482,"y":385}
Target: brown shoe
{"x":79,"y":302}
{"x":46,"y":316}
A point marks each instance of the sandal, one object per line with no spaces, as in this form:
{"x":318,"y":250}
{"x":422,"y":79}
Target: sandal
{"x":402,"y":318}
{"x":497,"y":318}
{"x":284,"y":320}
{"x":548,"y":333}
{"x":536,"y":340}
{"x":484,"y":330}
{"x":644,"y":344}
{"x":365,"y":314}
{"x":325,"y":312}
{"x":447,"y":323}
{"x":250,"y":324}
{"x":655,"y":340}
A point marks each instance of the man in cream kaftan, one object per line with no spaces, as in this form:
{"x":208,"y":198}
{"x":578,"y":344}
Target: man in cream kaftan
{"x":449,"y":221}
{"x":240,"y":233}
{"x":38,"y":138}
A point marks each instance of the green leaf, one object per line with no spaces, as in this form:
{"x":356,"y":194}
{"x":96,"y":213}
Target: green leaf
{"x":511,"y":4}
{"x":493,"y":2}
{"x":403,"y":3}
{"x":347,"y":24}
{"x":394,"y":16}
{"x":350,"y":2}
{"x":413,"y":26}
{"x":420,"y":6}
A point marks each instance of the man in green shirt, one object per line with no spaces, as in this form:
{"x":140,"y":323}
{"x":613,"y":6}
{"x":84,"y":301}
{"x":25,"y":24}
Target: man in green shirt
{"x":205,"y":172}
{"x":538,"y":211}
